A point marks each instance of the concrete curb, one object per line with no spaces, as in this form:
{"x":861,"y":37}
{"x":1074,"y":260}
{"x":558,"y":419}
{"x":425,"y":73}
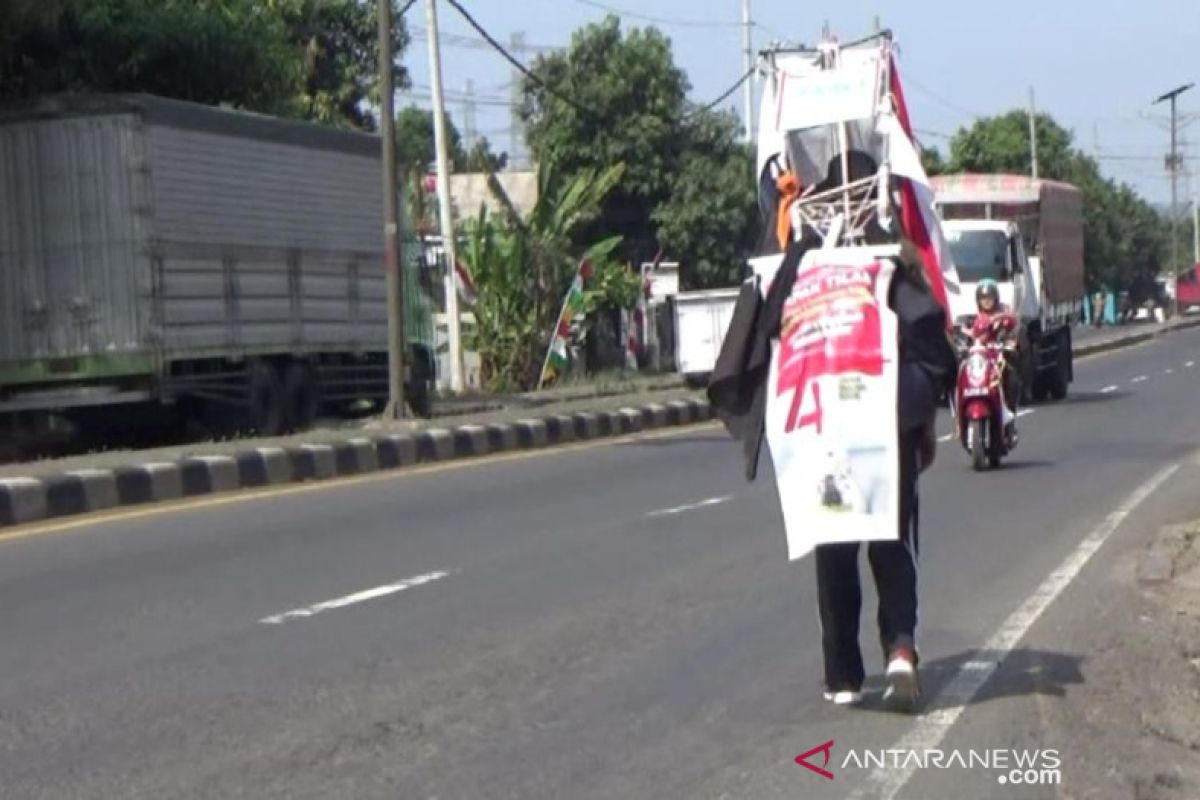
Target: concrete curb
{"x":1092,"y":348}
{"x":26,"y":500}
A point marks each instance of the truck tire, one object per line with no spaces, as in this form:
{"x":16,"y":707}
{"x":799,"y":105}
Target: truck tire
{"x":264,"y":409}
{"x":1058,"y":377}
{"x":1027,"y":371}
{"x":300,"y":397}
{"x":418,"y":391}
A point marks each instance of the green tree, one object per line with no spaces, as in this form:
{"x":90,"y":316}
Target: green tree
{"x":932,"y":161}
{"x":337,"y":42}
{"x":628,"y":100}
{"x":481,"y":158}
{"x":415,"y":145}
{"x":210,"y":52}
{"x":710,"y":218}
{"x":619,"y":97}
{"x":313,"y":59}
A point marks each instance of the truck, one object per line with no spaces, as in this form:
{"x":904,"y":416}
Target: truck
{"x":1025,"y":234}
{"x":210,"y":264}
{"x":701,"y":320}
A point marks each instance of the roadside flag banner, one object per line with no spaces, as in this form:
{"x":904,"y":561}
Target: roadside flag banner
{"x":465,"y":283}
{"x":572,"y":310}
{"x":831,"y":416}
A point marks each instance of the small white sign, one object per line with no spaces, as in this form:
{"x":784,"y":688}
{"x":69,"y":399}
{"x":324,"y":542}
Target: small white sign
{"x":823,"y":97}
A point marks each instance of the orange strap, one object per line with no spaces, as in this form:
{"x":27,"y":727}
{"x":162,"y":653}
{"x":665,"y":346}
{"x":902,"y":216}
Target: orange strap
{"x":789,"y":190}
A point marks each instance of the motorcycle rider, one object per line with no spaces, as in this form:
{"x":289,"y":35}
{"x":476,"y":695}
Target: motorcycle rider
{"x":994,"y":323}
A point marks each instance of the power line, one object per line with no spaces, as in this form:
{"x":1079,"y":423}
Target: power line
{"x":476,"y":43}
{"x":678,"y":23}
{"x":728,"y":93}
{"x":934,"y":134}
{"x":771,"y":31}
{"x":499,"y":48}
{"x":908,"y":81}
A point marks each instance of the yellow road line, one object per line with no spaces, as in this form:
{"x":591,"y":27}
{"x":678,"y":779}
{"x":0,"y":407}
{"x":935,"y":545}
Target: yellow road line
{"x":206,"y":502}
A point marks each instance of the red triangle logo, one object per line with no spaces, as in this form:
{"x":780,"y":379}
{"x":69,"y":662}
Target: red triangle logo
{"x":802,"y":759}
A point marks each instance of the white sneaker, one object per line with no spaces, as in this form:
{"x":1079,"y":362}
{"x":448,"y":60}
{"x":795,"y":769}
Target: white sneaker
{"x":845,"y":697}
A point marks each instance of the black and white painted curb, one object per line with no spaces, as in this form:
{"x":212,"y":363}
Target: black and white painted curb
{"x":24,"y":500}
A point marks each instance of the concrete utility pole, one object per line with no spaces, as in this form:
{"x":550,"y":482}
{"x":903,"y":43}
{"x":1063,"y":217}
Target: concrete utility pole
{"x":443,"y":190}
{"x":748,"y":64}
{"x":393,"y":262}
{"x":1033,"y":161}
{"x":516,"y":44}
{"x":470,"y":135}
{"x":1195,"y":229}
{"x":1173,"y":164}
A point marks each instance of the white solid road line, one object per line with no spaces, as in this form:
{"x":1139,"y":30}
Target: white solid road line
{"x":357,"y":597}
{"x":948,"y":705}
{"x":711,"y":501}
{"x":1109,"y":389}
{"x":1139,"y":379}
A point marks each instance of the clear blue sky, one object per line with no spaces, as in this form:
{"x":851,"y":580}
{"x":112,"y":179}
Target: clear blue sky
{"x":1095,"y":66}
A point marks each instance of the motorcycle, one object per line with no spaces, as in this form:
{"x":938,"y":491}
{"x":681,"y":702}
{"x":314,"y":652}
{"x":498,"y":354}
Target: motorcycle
{"x":979,"y":401}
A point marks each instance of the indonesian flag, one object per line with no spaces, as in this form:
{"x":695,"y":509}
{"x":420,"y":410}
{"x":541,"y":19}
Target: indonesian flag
{"x":917,"y":210}
{"x":465,"y":283}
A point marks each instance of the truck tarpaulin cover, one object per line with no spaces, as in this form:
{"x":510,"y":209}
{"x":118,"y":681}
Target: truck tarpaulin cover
{"x":831,"y":403}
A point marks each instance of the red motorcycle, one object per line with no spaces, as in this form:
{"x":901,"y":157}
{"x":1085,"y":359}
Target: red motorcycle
{"x":979,"y":400}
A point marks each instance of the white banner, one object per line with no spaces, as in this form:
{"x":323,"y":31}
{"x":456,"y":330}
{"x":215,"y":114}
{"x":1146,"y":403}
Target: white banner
{"x":831,"y":415}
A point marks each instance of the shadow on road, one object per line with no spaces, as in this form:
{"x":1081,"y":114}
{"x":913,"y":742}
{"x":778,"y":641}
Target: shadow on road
{"x":1083,"y":398}
{"x":1031,"y":463}
{"x":1023,"y":673}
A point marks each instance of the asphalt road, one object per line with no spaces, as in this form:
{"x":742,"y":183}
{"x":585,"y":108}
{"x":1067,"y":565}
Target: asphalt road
{"x":612,"y":621}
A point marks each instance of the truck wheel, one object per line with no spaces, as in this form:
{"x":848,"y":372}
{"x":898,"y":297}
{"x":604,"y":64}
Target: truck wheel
{"x":300,"y":397}
{"x":1040,"y":392}
{"x":264,"y":400}
{"x":418,"y":391}
{"x":1058,"y":377}
{"x":1028,"y":373}
{"x":420,"y":398}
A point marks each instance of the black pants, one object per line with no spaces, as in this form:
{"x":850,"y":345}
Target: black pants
{"x":894,"y":566}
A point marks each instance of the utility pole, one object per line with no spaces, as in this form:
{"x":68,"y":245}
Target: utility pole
{"x":443,"y":190}
{"x":397,"y":408}
{"x":1173,"y":162}
{"x":1195,"y":230}
{"x":516,"y":44}
{"x":1033,"y":160}
{"x":748,"y":64}
{"x":469,"y":132}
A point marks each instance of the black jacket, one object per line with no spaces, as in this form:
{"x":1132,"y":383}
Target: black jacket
{"x":738,"y":387}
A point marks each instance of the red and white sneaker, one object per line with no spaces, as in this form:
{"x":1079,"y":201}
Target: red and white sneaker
{"x":903,"y":686}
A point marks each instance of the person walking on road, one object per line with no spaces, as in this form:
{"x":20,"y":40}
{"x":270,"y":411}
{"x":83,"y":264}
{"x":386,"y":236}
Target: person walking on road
{"x":927,"y":365}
